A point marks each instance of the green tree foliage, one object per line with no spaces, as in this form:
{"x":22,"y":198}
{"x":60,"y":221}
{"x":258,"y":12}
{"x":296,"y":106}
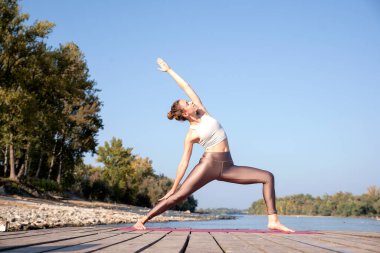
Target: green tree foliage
{"x":339,"y":204}
{"x":49,"y":108}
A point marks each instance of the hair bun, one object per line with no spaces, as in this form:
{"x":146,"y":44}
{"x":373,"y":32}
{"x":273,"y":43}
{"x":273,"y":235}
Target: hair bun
{"x":170,"y":115}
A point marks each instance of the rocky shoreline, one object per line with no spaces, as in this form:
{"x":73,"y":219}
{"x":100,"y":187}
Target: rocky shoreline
{"x":21,"y":213}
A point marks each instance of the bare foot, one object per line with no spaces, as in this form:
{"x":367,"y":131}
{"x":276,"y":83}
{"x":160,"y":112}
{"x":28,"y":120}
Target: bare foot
{"x":279,"y":226}
{"x":139,"y":225}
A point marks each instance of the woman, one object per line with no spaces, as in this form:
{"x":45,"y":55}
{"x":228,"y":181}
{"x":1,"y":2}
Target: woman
{"x":216,"y":162}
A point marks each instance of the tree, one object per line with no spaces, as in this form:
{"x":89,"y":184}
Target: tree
{"x":113,"y":155}
{"x":79,"y":120}
{"x":19,"y":47}
{"x":118,"y":172}
{"x":49,"y":107}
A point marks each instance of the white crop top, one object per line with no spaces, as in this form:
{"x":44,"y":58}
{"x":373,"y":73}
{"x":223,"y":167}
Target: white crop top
{"x":210,"y":131}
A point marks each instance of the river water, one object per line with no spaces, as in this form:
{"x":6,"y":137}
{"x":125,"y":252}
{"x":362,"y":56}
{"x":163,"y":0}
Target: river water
{"x":294,"y":222}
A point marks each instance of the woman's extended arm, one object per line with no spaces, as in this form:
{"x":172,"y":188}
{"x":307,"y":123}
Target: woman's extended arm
{"x":181,"y":83}
{"x":189,"y":141}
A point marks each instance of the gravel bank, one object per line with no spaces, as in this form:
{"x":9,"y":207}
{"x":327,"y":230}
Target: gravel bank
{"x":27,"y":213}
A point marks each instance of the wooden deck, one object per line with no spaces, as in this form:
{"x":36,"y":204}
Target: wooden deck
{"x":112,"y":239}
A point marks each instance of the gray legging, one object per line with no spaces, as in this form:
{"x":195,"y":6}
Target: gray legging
{"x":219,"y":166}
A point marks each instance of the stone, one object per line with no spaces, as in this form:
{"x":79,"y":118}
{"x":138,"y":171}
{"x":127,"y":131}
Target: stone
{"x":4,"y":226}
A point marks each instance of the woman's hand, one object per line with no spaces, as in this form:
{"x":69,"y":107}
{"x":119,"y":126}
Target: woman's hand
{"x":171,"y":192}
{"x":163,"y":66}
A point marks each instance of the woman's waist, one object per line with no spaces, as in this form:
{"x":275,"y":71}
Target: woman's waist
{"x":220,"y":147}
{"x":218,"y":155}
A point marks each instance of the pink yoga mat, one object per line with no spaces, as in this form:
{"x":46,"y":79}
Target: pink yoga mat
{"x":257,"y":231}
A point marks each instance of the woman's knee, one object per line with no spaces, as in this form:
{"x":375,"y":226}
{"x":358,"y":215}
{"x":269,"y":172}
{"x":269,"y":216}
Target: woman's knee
{"x":269,"y":177}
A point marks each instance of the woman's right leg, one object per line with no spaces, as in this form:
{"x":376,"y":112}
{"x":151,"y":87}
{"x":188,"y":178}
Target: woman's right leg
{"x":202,"y":174}
{"x":250,"y":175}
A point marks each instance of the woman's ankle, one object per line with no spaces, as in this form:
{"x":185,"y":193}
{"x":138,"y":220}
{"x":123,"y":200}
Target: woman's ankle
{"x":144,"y":219}
{"x":273,"y":218}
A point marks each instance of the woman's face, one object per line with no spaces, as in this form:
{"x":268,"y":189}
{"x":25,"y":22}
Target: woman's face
{"x":188,"y":107}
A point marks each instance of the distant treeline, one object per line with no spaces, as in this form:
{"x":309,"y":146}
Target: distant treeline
{"x":339,"y":204}
{"x":50,"y":117}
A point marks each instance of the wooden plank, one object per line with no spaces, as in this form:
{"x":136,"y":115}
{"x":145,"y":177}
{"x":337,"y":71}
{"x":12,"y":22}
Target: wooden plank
{"x":356,"y":233}
{"x":173,"y":242}
{"x":102,"y":243}
{"x":346,"y":241}
{"x":293,"y":246}
{"x":67,"y":243}
{"x":20,"y":234}
{"x":42,"y":238}
{"x":137,"y":244}
{"x":315,"y":241}
{"x":359,"y":239}
{"x":47,"y":232}
{"x":261,"y":244}
{"x":97,"y":229}
{"x":202,"y":242}
{"x":231,"y":243}
{"x":370,"y":240}
{"x":43,"y":230}
{"x":12,"y":233}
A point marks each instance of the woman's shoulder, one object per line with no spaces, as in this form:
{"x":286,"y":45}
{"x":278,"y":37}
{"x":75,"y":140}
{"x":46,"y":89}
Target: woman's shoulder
{"x":208,"y":117}
{"x":192,"y":136}
{"x":205,"y":114}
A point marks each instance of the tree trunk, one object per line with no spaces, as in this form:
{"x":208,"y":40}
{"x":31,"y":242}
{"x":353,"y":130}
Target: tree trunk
{"x":6,"y":160}
{"x":39,"y":167}
{"x":60,"y":165}
{"x":12,"y":175}
{"x":17,"y":165}
{"x":52,"y":160}
{"x":20,"y":166}
{"x":21,"y":171}
{"x":27,"y":160}
{"x":24,"y":167}
{"x":27,"y":166}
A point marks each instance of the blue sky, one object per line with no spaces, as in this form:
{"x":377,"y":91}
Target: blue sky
{"x":296,"y":84}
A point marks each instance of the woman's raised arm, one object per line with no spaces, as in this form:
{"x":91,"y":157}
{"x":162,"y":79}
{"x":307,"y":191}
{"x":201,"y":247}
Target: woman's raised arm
{"x":164,"y":67}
